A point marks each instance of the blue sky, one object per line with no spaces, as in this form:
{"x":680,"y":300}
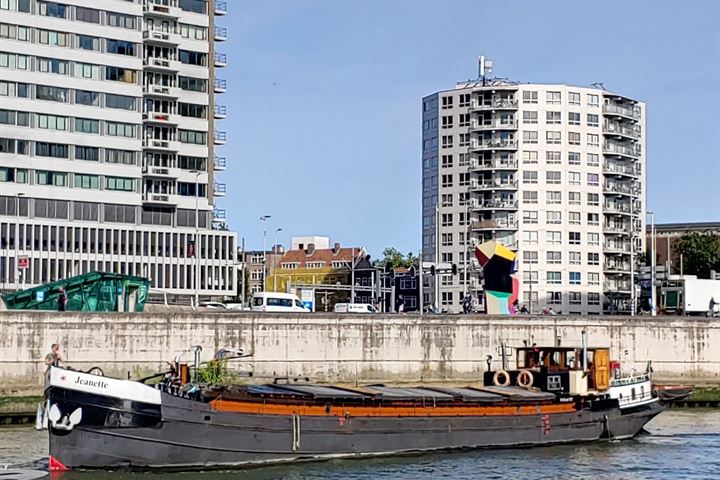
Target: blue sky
{"x":324,"y":100}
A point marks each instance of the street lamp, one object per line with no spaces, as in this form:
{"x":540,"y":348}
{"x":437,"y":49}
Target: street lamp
{"x":277,"y":230}
{"x":17,"y":240}
{"x":197,"y":233}
{"x":653,"y":294}
{"x":264,"y":219}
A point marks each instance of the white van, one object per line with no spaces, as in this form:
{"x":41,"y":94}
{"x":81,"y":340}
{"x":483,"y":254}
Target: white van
{"x":277,"y":302}
{"x":354,"y":308}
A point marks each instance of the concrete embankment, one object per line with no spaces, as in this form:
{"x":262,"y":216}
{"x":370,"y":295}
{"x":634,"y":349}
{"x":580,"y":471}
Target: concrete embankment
{"x":342,"y":348}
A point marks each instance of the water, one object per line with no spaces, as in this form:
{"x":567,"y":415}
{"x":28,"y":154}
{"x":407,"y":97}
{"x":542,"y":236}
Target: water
{"x":680,"y":444}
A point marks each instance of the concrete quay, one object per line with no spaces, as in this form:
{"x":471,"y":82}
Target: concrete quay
{"x":350,"y":349}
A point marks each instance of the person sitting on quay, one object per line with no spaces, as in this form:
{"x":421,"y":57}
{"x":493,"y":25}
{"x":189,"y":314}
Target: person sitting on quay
{"x":54,"y":358}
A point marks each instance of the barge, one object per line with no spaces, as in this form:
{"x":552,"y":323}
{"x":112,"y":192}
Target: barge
{"x":555,"y":395}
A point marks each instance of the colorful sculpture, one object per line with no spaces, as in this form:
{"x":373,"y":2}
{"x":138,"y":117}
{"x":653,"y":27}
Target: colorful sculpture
{"x":501,"y":286}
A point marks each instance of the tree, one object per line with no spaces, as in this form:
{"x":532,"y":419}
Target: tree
{"x":393,"y":256}
{"x":700,"y":253}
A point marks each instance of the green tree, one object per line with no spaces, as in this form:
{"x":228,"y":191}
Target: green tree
{"x":393,"y":256}
{"x":700,"y":253}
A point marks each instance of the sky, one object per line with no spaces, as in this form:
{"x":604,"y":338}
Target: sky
{"x":324,"y":101}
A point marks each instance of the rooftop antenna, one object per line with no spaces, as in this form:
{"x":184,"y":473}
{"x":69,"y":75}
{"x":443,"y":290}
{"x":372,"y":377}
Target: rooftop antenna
{"x":484,"y":67}
{"x":598,"y":85}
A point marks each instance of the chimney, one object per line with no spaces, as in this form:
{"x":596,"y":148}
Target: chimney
{"x":310,"y":249}
{"x":336,"y":248}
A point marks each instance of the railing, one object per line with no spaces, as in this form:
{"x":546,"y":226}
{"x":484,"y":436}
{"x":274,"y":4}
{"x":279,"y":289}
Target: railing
{"x":220,"y":137}
{"x":494,"y":143}
{"x":496,"y":103}
{"x":496,"y":204}
{"x":220,"y":33}
{"x":625,"y":267}
{"x":218,"y":214}
{"x":608,"y":227}
{"x":611,"y":127}
{"x":220,"y":189}
{"x":220,"y":163}
{"x":220,"y":85}
{"x":495,"y":164}
{"x":155,"y":35}
{"x":609,"y":147}
{"x":632,"y":112}
{"x":617,"y":247}
{"x":220,"y":111}
{"x":220,"y":7}
{"x":624,"y":169}
{"x":474,"y":184}
{"x":493,"y":225}
{"x":616,"y":286}
{"x":499,"y":125}
{"x":617,"y":207}
{"x":620,"y":188}
{"x":220,"y":59}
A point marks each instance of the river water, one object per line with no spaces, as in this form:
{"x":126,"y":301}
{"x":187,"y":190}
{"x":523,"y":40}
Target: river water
{"x":680,"y":444}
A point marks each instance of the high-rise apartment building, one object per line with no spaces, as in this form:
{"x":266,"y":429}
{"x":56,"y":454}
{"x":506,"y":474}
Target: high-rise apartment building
{"x":107,"y":143}
{"x":555,"y":172}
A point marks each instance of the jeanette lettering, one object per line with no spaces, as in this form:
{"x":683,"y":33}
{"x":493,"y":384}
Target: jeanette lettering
{"x":91,"y":383}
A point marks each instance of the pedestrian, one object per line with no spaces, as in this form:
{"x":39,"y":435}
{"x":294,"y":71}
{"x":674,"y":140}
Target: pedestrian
{"x":54,"y":358}
{"x":524,"y":310}
{"x":62,"y":300}
{"x":711,"y":312}
{"x":467,"y":304}
{"x":401,"y":305}
{"x":551,"y":311}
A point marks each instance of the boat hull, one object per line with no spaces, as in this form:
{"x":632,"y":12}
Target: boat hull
{"x":186,"y":434}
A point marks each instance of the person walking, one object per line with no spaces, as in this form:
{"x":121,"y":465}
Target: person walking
{"x":62,"y":300}
{"x":54,"y":358}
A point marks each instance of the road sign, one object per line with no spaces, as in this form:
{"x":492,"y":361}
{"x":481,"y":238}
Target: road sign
{"x":307,"y":297}
{"x":23,"y":262}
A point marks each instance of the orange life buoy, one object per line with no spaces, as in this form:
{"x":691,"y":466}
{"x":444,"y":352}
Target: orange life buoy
{"x":506,"y":378}
{"x":525,"y":378}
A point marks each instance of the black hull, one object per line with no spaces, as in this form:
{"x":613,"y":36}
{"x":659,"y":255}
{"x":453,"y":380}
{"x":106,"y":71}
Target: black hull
{"x":184,"y":434}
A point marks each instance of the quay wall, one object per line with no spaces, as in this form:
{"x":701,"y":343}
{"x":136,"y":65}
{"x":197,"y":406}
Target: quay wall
{"x":350,"y":349}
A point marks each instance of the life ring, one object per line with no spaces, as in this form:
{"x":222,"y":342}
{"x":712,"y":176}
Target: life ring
{"x":506,"y":378}
{"x":525,"y":378}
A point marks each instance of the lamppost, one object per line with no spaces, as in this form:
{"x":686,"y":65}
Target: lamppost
{"x":277,"y":230}
{"x":197,"y":239}
{"x":653,"y":294}
{"x":264,"y":219}
{"x":17,"y":239}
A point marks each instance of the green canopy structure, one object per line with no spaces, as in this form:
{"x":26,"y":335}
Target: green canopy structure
{"x":91,"y":292}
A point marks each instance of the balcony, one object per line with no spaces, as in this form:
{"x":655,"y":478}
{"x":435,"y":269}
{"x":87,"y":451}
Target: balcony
{"x":496,"y":104}
{"x":168,"y":9}
{"x":219,"y":164}
{"x":161,"y":145}
{"x":494,"y":144}
{"x":157,"y":198}
{"x":220,"y":112}
{"x":621,"y":267}
{"x":494,"y":204}
{"x":613,"y":128}
{"x":631,"y":112}
{"x":617,"y":247}
{"x":219,"y":137}
{"x":160,"y":38}
{"x":632,"y":170}
{"x":616,"y":229}
{"x":220,"y":189}
{"x":494,"y":125}
{"x":489,"y":224}
{"x":220,"y":86}
{"x":220,"y":59}
{"x":493,"y":184}
{"x":610,"y":188}
{"x":494,"y":165}
{"x":610,"y":148}
{"x":220,"y":8}
{"x":617,"y":208}
{"x":218,"y":219}
{"x":220,"y":34}
{"x":616,"y":287}
{"x":161,"y":91}
{"x":160,"y":118}
{"x":152,"y":171}
{"x":161,"y":64}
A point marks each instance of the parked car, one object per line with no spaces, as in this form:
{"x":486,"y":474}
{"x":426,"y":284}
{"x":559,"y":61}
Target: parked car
{"x":354,"y":308}
{"x":213,"y":305}
{"x":277,"y":302}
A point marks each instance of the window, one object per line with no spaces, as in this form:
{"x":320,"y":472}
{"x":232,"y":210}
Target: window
{"x":119,"y":74}
{"x":555,"y":298}
{"x":575,"y":298}
{"x":8,"y":31}
{"x":447,"y":219}
{"x":553,"y":118}
{"x":447,"y":141}
{"x":554,"y":258}
{"x":87,"y":15}
{"x":530,"y":197}
{"x":553,"y":98}
{"x":193,"y":32}
{"x":124,"y":157}
{"x":86,"y":211}
{"x":195,"y":6}
{"x":574,"y":158}
{"x":593,"y":199}
{"x":554,"y":278}
{"x":446,"y":257}
{"x":574,"y":258}
{"x":530,"y":176}
{"x":553,"y":138}
{"x":593,"y":159}
{"x":464,"y":140}
{"x":575,"y":278}
{"x":119,"y":20}
{"x":119,"y":183}
{"x":86,"y":42}
{"x":57,"y":179}
{"x":447,"y":121}
{"x":593,"y":140}
{"x":530,"y":157}
{"x":554,"y":217}
{"x":51,"y":208}
{"x":530,"y":137}
{"x":553,"y":177}
{"x":23,"y":34}
{"x":192,"y":84}
{"x":593,"y":120}
{"x":574,"y":238}
{"x":574,"y":178}
{"x":552,"y":157}
{"x":446,"y":161}
{"x":530,"y":237}
{"x":118,"y":129}
{"x":86,"y":70}
{"x":120,"y":47}
{"x":53,"y":65}
{"x":87,"y":153}
{"x":11,"y":60}
{"x":554,"y":198}
{"x":7,"y":89}
{"x":52,"y":9}
{"x":191,"y":136}
{"x":464,"y":100}
{"x":7,"y":117}
{"x":447,"y":102}
{"x":593,"y":298}
{"x":86,"y":181}
{"x":593,"y":179}
{"x":593,"y":279}
{"x":84,"y":97}
{"x":51,"y":122}
{"x":574,"y":98}
{"x":530,"y":217}
{"x":86,"y":125}
{"x":593,"y":100}
{"x":593,"y":219}
{"x":119,"y":101}
{"x":56,"y":150}
{"x":574,"y":118}
{"x":447,"y":298}
{"x":464,"y":179}
{"x":447,"y":239}
{"x":464,"y":120}
{"x":530,"y":117}
{"x":48,"y":37}
{"x":574,"y":198}
{"x":531,"y":277}
{"x":119,"y":213}
{"x":574,"y":138}
{"x":593,"y":239}
{"x":593,"y":259}
{"x":192,"y":58}
{"x":530,"y":257}
{"x":530,"y":97}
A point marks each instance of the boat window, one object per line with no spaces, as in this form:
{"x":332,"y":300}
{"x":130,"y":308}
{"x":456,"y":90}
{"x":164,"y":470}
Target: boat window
{"x":258,"y":301}
{"x":642,"y":392}
{"x":279,"y":302}
{"x":632,"y":393}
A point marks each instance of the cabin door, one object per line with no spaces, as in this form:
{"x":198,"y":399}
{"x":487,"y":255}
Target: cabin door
{"x":602,"y":369}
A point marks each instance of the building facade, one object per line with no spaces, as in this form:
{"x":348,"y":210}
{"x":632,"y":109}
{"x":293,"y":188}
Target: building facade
{"x":555,"y":172}
{"x":254,"y":261}
{"x":108,"y":143}
{"x":666,"y":236}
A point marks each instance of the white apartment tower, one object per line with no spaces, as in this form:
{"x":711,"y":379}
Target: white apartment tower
{"x":555,"y":172}
{"x":107,"y":143}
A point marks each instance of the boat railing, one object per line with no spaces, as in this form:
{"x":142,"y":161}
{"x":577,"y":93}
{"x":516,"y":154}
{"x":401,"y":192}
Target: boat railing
{"x":630,"y":379}
{"x":639,"y":397}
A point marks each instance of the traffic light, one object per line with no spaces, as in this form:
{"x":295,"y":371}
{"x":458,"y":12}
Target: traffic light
{"x":411,"y":271}
{"x":454,"y":268}
{"x":432,"y":270}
